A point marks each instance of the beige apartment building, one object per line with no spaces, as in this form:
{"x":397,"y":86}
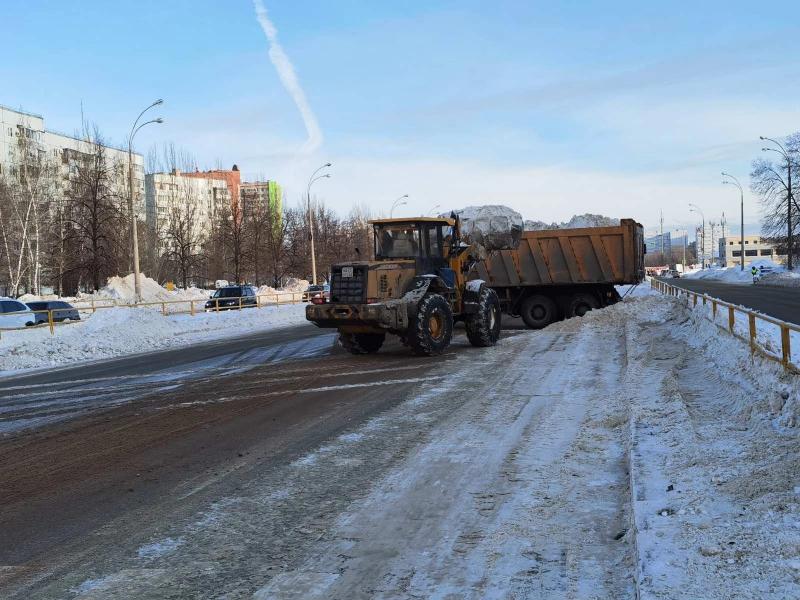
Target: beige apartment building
{"x":730,"y":251}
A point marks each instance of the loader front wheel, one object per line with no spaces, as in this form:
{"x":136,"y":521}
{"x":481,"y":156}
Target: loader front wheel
{"x":538,"y":311}
{"x":483,"y":327}
{"x":431,"y":329}
{"x":362,"y":343}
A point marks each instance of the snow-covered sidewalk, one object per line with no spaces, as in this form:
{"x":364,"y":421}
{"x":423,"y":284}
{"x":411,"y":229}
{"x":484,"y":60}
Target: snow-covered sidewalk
{"x":119,"y":331}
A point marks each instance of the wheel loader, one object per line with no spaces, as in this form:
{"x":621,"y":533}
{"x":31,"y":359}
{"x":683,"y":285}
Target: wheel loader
{"x":421,"y":281}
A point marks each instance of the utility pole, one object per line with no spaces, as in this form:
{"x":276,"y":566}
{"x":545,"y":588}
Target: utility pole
{"x":695,"y":208}
{"x":134,"y":229}
{"x":685,"y":236}
{"x":661,"y":233}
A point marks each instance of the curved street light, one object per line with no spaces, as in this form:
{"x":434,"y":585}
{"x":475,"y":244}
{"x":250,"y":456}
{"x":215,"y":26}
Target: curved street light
{"x":134,"y":232}
{"x":789,"y":196}
{"x":399,"y":202}
{"x":695,"y":208}
{"x":733,"y":181}
{"x":434,"y":209}
{"x":314,"y":177}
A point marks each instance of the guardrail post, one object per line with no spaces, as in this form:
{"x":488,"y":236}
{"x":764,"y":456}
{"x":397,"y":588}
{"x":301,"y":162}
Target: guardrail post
{"x":731,"y":319}
{"x":191,"y":307}
{"x":713,"y":310}
{"x":50,"y":322}
{"x":704,"y":299}
{"x":258,"y":301}
{"x":694,"y":299}
{"x":216,"y":305}
{"x":93,"y":308}
{"x":786,"y":350}
{"x":164,"y":308}
{"x":240,"y":303}
{"x":751,"y":318}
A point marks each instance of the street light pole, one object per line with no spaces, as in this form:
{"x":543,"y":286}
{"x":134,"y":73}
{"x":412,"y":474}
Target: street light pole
{"x":397,"y":203}
{"x":694,"y":208}
{"x":741,"y":210}
{"x":789,"y":197}
{"x":137,"y":289}
{"x":311,"y":181}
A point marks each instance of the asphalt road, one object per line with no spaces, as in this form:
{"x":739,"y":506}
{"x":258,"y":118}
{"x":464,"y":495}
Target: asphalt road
{"x":94,"y":459}
{"x":779,"y":302}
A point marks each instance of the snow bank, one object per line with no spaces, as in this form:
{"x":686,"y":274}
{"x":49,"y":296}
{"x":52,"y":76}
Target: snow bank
{"x":576,"y":222}
{"x":737,"y":275}
{"x":119,"y":331}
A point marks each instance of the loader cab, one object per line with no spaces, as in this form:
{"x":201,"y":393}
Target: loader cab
{"x":427,"y":241}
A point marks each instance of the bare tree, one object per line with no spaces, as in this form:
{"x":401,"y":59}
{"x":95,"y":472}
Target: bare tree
{"x":184,"y":237}
{"x":95,"y":210}
{"x":774,"y":185}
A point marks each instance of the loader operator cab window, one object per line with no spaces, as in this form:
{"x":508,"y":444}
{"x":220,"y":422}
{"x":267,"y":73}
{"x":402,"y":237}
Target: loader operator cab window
{"x":400,"y":240}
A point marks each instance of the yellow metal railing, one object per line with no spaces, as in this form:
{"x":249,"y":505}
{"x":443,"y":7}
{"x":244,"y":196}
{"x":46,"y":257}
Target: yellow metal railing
{"x":167,"y":307}
{"x":730,"y":323}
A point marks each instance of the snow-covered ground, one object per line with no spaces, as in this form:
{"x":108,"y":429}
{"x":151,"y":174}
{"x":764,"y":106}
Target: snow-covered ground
{"x":636,"y":452}
{"x":776,"y":274}
{"x":121,"y":291}
{"x":118,"y":331}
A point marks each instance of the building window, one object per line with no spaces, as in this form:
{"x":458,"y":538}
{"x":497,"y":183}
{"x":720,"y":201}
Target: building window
{"x":766,"y":252}
{"x":730,"y":243}
{"x":737,"y":252}
{"x":751,"y":252}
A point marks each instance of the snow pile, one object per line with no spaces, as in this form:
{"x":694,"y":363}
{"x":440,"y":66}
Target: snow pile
{"x":122,"y":291}
{"x":735,"y":274}
{"x":494,"y":227}
{"x":782,"y":279}
{"x":119,"y":331}
{"x":576,"y":222}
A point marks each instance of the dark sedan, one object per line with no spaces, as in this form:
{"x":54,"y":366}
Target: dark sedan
{"x":232,"y":297}
{"x":63,"y":312}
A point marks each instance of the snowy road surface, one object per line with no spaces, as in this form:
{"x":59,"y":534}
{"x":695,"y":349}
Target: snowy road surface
{"x":620,"y":454}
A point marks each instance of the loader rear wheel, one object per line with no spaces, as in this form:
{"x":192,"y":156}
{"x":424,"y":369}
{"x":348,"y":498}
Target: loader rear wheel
{"x":538,"y":311}
{"x":362,"y":343}
{"x":580,"y":304}
{"x":483,"y":327}
{"x":431,"y":330}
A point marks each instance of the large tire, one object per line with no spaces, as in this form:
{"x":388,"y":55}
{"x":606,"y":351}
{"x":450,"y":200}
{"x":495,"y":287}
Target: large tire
{"x":431,"y":329}
{"x":538,"y":311}
{"x":579,"y":304}
{"x":483,"y":327}
{"x":362,"y":343}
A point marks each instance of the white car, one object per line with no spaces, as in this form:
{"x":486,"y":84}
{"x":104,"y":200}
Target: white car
{"x":15,"y":314}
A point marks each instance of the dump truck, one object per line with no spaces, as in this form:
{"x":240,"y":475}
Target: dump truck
{"x":561,"y":273}
{"x":420,"y":282}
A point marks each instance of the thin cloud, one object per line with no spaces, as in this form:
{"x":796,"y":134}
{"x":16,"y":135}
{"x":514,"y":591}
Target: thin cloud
{"x":288,"y":78}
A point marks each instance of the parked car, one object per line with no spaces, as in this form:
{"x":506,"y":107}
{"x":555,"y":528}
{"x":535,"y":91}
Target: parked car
{"x":15,"y":314}
{"x":228,"y":298}
{"x":313,"y":291}
{"x":62,"y":311}
{"x":323,"y":296}
{"x":675,"y":274}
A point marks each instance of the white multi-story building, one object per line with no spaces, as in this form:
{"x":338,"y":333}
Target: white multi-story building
{"x":165,"y":192}
{"x":64,"y":151}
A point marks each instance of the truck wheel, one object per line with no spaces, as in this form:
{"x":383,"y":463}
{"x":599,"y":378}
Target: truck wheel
{"x":362,"y":343}
{"x":431,"y":329}
{"x":483,"y":327}
{"x":538,"y":311}
{"x":580,"y":304}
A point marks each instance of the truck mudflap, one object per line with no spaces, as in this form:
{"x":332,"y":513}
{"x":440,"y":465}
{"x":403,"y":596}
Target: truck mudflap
{"x":391,"y":316}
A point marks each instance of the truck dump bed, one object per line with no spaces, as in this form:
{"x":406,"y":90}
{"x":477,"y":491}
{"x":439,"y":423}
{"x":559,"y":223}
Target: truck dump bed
{"x":592,"y":255}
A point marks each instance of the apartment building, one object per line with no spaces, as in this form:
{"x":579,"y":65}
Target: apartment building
{"x":261,"y":193}
{"x":63,"y":150}
{"x":755,"y":248}
{"x":203,"y":196}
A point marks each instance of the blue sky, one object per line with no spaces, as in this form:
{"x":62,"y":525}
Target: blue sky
{"x":623,"y":108}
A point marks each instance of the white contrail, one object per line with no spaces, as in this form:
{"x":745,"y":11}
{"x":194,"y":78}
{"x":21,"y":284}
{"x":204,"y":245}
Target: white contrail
{"x":289,"y":80}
